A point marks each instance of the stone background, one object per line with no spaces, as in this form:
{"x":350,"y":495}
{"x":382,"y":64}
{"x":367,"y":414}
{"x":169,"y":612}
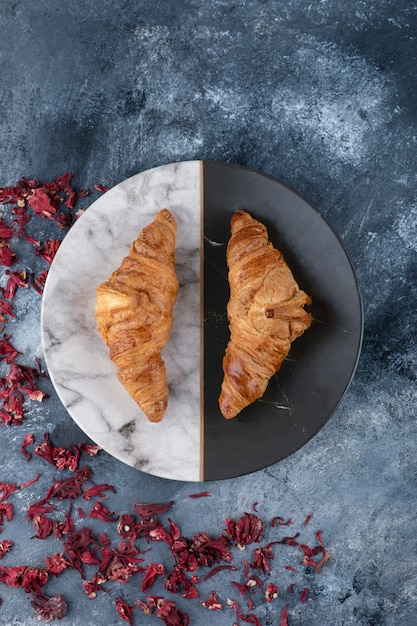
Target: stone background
{"x":322,"y":96}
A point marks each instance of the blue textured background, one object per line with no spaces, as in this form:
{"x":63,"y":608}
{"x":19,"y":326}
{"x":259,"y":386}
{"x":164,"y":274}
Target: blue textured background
{"x":319,"y":94}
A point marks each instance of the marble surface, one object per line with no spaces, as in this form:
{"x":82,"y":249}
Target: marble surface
{"x":77,"y":358}
{"x":320,"y":95}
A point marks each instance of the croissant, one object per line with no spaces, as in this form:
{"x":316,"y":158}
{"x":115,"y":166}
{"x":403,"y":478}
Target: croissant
{"x":134,"y":314}
{"x":265,"y":313}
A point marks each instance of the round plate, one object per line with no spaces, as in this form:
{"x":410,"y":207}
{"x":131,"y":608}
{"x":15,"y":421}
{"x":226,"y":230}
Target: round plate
{"x":193,"y":441}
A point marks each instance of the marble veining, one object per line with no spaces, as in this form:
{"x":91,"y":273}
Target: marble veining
{"x":76,"y":357}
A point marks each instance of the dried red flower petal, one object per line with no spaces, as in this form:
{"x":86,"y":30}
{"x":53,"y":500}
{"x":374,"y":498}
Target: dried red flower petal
{"x":148,"y":511}
{"x":291,"y":568}
{"x":56,"y":564}
{"x":100,"y":511}
{"x":6,"y":309}
{"x":7,"y":489}
{"x":38,"y":282}
{"x":7,"y":350}
{"x":101,"y":188}
{"x":201,"y":494}
{"x":177,"y":580}
{"x":118,"y":565}
{"x":152,"y":572}
{"x":200,"y":550}
{"x":90,"y":449}
{"x":242,"y":589}
{"x":95,"y":584}
{"x":41,"y":204}
{"x":6,"y":510}
{"x":16,"y":279}
{"x":76,"y":545}
{"x":27,"y":441}
{"x":7,"y":256}
{"x":217,"y":569}
{"x":147,"y":607}
{"x":81,"y":513}
{"x":46,"y":609}
{"x":33,"y":579}
{"x":97,"y":490}
{"x":249,"y":618}
{"x":248,"y":529}
{"x":168,"y":612}
{"x":48,"y":250}
{"x":124,"y":610}
{"x":279,"y":521}
{"x":284,"y":616}
{"x":5,"y":546}
{"x":43,"y":526}
{"x":61,"y":458}
{"x":271,"y":592}
{"x":262,"y":556}
{"x":304,"y":595}
{"x":30,"y":482}
{"x":212,"y":603}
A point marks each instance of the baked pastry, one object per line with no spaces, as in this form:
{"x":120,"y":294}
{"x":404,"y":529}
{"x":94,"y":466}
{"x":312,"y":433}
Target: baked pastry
{"x":265,"y":312}
{"x":134,"y":314}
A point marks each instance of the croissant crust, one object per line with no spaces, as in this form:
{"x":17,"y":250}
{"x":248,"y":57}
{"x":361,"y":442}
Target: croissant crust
{"x":134,"y":313}
{"x":265,"y":313}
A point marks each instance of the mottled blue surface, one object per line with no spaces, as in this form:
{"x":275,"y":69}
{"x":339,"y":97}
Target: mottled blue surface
{"x":320,"y":95}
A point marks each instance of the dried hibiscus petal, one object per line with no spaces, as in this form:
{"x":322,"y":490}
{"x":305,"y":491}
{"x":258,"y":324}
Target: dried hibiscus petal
{"x":248,"y":529}
{"x":95,"y":584}
{"x":124,"y":610}
{"x":249,"y":618}
{"x":284,"y":616}
{"x":262,"y":556}
{"x":152,"y":572}
{"x":46,"y":609}
{"x":7,"y":350}
{"x":212,"y":603}
{"x":6,"y":309}
{"x":148,"y":511}
{"x":90,"y":449}
{"x":271,"y":592}
{"x":27,"y":441}
{"x":119,"y":566}
{"x":16,"y":279}
{"x":56,"y":564}
{"x":176,"y":580}
{"x":49,"y":250}
{"x":168,"y":612}
{"x":7,"y":489}
{"x":6,"y":510}
{"x":41,"y":204}
{"x":5,"y":546}
{"x":208,"y":550}
{"x":201,"y":494}
{"x":97,"y":490}
{"x":217,"y":569}
{"x":279,"y":521}
{"x":38,"y":282}
{"x":100,"y":511}
{"x":7,"y":256}
{"x":57,"y":456}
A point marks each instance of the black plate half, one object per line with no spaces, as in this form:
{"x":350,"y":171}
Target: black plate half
{"x":315,"y":376}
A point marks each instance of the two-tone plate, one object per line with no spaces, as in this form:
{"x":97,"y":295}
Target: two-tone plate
{"x":193,"y":441}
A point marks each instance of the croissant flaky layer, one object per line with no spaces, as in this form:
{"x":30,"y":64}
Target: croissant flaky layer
{"x":265,"y":311}
{"x":134,"y":313}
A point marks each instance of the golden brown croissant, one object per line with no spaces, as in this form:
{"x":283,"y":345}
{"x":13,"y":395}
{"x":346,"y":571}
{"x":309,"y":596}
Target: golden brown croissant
{"x":265,"y":313}
{"x":134,"y":313}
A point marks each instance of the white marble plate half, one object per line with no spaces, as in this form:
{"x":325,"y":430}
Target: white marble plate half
{"x":76,"y":357}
